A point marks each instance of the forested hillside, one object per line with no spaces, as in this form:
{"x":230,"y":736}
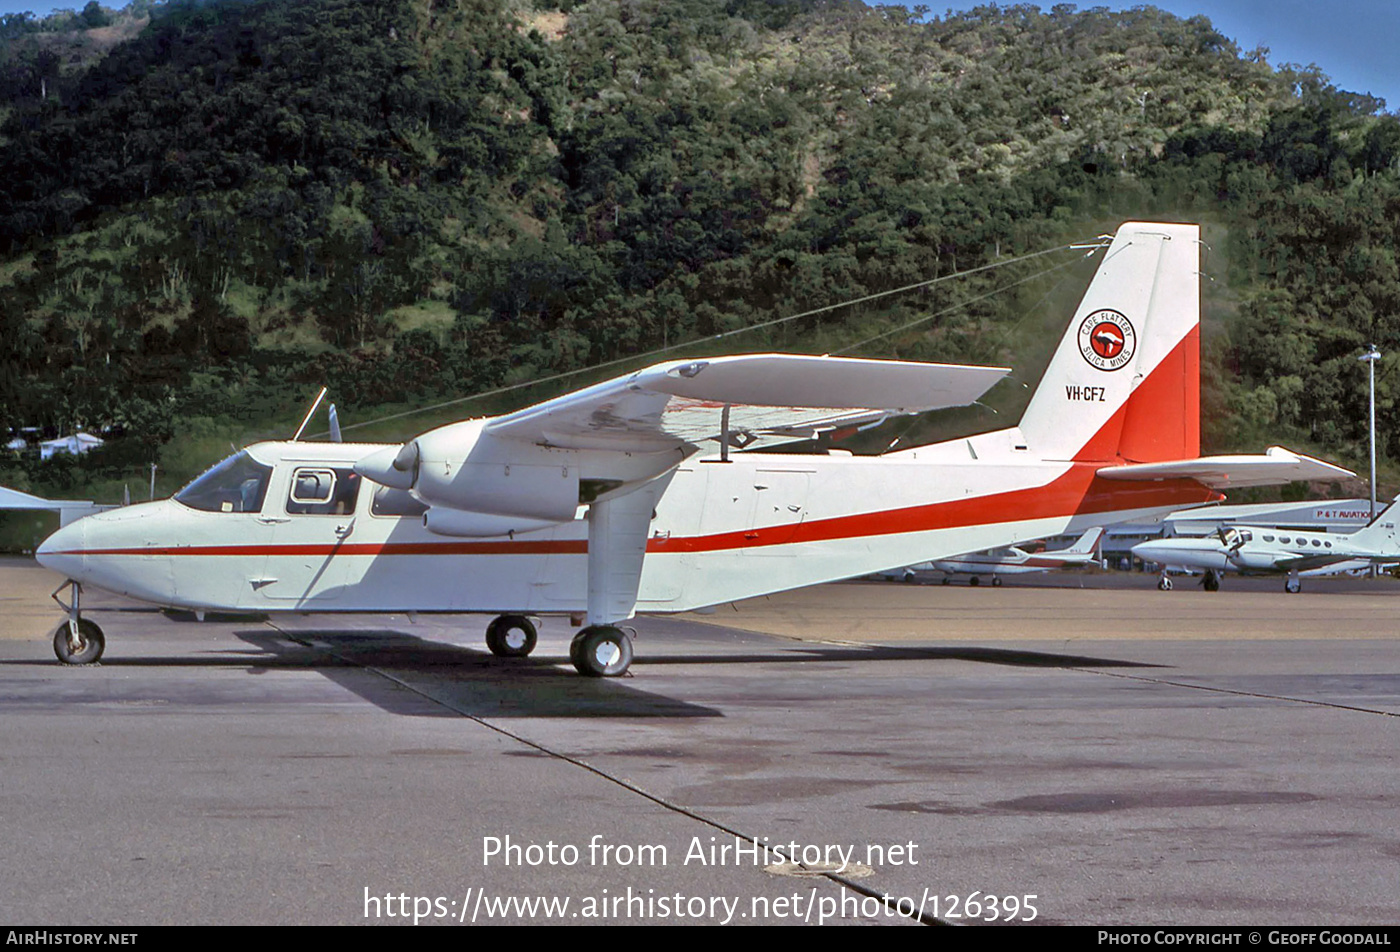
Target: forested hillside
{"x":417,"y":200}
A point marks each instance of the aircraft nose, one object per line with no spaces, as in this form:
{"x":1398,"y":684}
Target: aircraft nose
{"x":63,"y":552}
{"x":1150,"y":552}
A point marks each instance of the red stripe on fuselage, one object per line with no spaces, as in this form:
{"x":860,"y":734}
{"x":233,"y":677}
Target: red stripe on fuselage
{"x":1077,"y":492}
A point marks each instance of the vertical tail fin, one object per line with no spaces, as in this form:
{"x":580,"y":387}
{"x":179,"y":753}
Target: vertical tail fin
{"x":1087,"y":543}
{"x":1383,"y":535}
{"x":1124,"y":383}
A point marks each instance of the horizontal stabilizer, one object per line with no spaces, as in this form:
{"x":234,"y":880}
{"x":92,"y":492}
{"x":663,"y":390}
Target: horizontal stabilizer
{"x":1275,"y":467}
{"x":786,"y":396}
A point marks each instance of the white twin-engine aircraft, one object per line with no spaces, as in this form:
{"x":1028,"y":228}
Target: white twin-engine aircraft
{"x":1264,"y":550}
{"x":601,"y":503}
{"x":1014,"y":560}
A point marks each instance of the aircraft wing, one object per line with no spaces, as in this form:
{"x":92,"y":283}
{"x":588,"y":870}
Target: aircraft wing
{"x":68,"y":509}
{"x":769,"y":397}
{"x":1276,"y":466}
{"x":1305,"y":562}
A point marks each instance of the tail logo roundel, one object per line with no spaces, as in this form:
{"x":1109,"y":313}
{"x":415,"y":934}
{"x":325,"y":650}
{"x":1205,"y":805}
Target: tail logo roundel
{"x":1107,"y":339}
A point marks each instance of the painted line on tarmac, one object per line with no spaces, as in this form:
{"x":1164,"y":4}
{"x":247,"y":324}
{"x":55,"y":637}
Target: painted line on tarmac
{"x":1238,"y":693}
{"x":628,"y":785}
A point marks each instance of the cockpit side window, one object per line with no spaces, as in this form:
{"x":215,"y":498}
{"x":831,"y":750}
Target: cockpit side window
{"x":322,"y":490}
{"x":238,"y":484}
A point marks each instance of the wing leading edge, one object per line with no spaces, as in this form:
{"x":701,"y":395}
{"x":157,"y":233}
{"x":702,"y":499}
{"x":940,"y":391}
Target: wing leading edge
{"x":753,"y":398}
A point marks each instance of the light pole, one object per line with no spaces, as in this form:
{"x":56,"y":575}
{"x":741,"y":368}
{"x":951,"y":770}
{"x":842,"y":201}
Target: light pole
{"x":1371,"y":356}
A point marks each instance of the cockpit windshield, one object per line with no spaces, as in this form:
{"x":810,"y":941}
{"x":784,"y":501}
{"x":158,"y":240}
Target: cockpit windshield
{"x":1234,"y":538}
{"x":238,"y":484}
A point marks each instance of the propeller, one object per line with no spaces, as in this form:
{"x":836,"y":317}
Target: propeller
{"x":396,"y":468}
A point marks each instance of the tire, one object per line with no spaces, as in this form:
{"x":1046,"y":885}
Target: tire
{"x":511,"y":636}
{"x":1164,"y":583}
{"x":90,"y":647}
{"x":601,"y":651}
{"x":1293,"y":586}
{"x":974,"y":581}
{"x":996,"y":581}
{"x":1211,"y":583}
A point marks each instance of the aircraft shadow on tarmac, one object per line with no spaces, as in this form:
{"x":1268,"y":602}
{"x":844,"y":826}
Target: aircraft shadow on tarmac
{"x":471,"y":681}
{"x":1018,"y":658}
{"x":464,"y":680}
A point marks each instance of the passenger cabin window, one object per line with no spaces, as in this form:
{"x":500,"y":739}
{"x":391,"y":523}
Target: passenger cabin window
{"x":323,"y":491}
{"x":1268,"y":538}
{"x":396,"y":502}
{"x":238,"y":484}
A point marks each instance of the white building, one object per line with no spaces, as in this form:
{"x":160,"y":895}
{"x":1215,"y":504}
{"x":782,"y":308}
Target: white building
{"x":77,"y":444}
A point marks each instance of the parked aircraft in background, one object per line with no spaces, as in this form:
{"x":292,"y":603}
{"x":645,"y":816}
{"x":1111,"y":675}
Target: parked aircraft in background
{"x":1259,"y":550}
{"x":603,"y":503}
{"x":68,"y":510}
{"x":1014,"y":560}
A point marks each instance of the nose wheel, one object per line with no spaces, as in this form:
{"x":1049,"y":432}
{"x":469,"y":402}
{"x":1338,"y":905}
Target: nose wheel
{"x":79,"y":642}
{"x":601,"y":651}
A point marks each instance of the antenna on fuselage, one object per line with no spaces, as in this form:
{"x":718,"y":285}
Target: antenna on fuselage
{"x":309,"y":413}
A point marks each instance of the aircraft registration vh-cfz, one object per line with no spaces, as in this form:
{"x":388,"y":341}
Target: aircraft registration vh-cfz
{"x":601,"y":503}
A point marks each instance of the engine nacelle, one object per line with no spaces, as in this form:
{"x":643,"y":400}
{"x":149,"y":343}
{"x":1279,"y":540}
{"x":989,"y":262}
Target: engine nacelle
{"x":473,"y":525}
{"x":464,"y":467}
{"x":1255,"y":561}
{"x":459,"y":467}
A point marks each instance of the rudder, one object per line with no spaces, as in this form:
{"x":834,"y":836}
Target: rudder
{"x":1124,"y":383}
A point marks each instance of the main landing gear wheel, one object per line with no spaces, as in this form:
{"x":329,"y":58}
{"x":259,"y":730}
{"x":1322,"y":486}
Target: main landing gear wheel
{"x":1293,"y":586}
{"x":601,"y":651}
{"x":974,"y":581}
{"x":996,"y":581}
{"x":1164,"y":583}
{"x":511,"y":636}
{"x":87,"y":647}
{"x":1211,"y":582}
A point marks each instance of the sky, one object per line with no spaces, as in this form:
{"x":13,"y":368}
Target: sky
{"x":1352,"y":41}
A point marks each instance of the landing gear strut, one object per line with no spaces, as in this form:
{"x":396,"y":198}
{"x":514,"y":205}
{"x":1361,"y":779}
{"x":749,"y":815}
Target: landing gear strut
{"x":511,"y":636}
{"x":78,"y":640}
{"x":601,"y":651}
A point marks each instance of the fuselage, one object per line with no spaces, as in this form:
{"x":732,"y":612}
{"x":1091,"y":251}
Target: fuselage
{"x":294,"y":529}
{"x":1256,"y":550}
{"x":1009,"y":561}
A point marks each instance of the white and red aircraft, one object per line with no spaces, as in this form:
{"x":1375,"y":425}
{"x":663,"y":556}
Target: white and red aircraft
{"x":601,"y":503}
{"x":1014,"y":560}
